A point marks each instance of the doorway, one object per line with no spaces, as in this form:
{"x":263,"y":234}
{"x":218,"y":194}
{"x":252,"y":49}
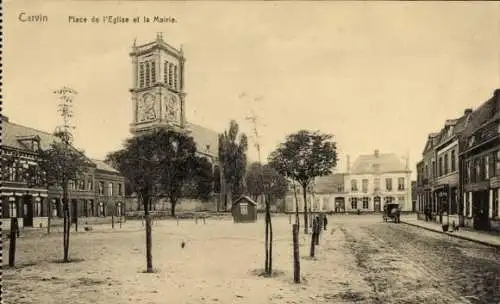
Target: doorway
{"x":480,"y":209}
{"x":339,"y":204}
{"x":28,"y":211}
{"x":376,"y":204}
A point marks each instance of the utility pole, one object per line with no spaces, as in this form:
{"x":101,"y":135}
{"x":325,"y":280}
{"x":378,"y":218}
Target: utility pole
{"x":65,"y":108}
{"x":268,"y":231}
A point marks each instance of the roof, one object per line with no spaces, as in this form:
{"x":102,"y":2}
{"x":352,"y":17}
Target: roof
{"x":246,"y":198}
{"x":329,"y":183}
{"x":207,"y":140}
{"x":482,"y":114}
{"x":101,"y":165}
{"x":389,"y":162}
{"x":11,"y":132}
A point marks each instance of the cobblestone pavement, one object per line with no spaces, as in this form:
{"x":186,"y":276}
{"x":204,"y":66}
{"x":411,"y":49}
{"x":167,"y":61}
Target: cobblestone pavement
{"x":360,"y":259}
{"x":406,"y":264}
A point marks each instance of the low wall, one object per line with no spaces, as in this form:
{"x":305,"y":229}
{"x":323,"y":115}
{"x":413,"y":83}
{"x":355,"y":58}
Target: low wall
{"x":6,"y":223}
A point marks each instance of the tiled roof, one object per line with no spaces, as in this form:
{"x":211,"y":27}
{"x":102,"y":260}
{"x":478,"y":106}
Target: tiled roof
{"x":12,"y":131}
{"x":329,"y":183}
{"x":385,"y":162}
{"x":482,"y":114}
{"x":101,"y":165}
{"x":204,"y":138}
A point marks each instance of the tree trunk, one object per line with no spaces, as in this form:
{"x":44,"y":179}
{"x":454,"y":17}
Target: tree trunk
{"x":173,"y":204}
{"x":113,"y":218}
{"x":266,"y":243}
{"x":149,"y":241}
{"x":270,"y":246}
{"x":313,"y":239}
{"x":49,"y":218}
{"x":229,"y":198}
{"x":306,"y":226}
{"x":12,"y":241}
{"x":297,"y":217}
{"x":296,"y":256}
{"x":67,"y":222}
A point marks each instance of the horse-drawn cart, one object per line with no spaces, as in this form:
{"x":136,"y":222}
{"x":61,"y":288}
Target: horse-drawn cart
{"x":391,"y":212}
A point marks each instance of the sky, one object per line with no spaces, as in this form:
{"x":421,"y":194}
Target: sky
{"x":376,"y":75}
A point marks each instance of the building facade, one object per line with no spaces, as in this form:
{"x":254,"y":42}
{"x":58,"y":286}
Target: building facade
{"x":481,"y":167}
{"x":326,"y":194}
{"x":373,"y":181}
{"x":464,"y":180}
{"x":378,"y":179}
{"x":32,"y":203}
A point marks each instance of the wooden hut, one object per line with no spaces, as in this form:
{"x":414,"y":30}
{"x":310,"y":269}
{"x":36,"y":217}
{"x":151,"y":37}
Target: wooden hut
{"x":244,"y":210}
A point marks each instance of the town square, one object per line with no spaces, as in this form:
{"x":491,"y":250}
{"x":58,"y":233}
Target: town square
{"x":341,"y":160}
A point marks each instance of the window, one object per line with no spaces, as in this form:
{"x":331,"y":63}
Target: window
{"x":365,"y":185}
{"x":486,"y":167}
{"x":401,"y":199}
{"x":153,"y":71}
{"x":453,"y":161}
{"x":468,"y":172}
{"x":365,"y":202}
{"x":495,"y":206}
{"x":497,"y":161}
{"x":148,"y":74}
{"x":170,"y":74}
{"x":426,"y":172}
{"x":440,"y":166}
{"x":446,"y":164}
{"x":165,"y":71}
{"x":101,"y":188}
{"x":354,"y":185}
{"x":467,"y":204}
{"x":175,"y":77}
{"x":340,"y":188}
{"x":120,"y":189}
{"x":388,"y":184}
{"x":89,"y":184}
{"x":376,"y":184}
{"x":354,"y":203}
{"x":479,"y":172}
{"x":243,"y":208}
{"x":81,"y":184}
{"x":12,"y":209}
{"x":37,"y":209}
{"x":110,"y":189}
{"x":141,"y":75}
{"x":434,"y":173}
{"x":401,"y":183}
{"x":389,"y":199}
{"x":325,"y":202}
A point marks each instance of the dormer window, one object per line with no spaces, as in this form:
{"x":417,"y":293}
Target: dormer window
{"x":471,"y":141}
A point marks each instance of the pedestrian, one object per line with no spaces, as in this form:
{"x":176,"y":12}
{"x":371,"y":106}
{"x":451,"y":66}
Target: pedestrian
{"x":325,"y":222}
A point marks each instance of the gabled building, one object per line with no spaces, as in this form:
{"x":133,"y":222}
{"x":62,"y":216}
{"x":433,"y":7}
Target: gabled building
{"x":426,"y":176}
{"x":481,"y":166}
{"x":26,"y":198}
{"x":326,"y":194}
{"x":446,"y":186}
{"x":378,"y":179}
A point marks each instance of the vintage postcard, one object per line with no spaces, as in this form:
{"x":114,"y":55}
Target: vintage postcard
{"x":260,"y":152}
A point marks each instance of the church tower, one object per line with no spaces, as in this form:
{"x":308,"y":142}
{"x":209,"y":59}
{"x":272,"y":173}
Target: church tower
{"x":158,"y":95}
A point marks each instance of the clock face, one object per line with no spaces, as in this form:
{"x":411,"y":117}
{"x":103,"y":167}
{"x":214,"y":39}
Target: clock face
{"x":146,"y":108}
{"x":172,"y":105}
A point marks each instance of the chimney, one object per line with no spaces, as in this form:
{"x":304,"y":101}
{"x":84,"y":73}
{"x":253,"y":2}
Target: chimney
{"x":377,"y":153}
{"x":467,"y":111}
{"x":348,"y":164}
